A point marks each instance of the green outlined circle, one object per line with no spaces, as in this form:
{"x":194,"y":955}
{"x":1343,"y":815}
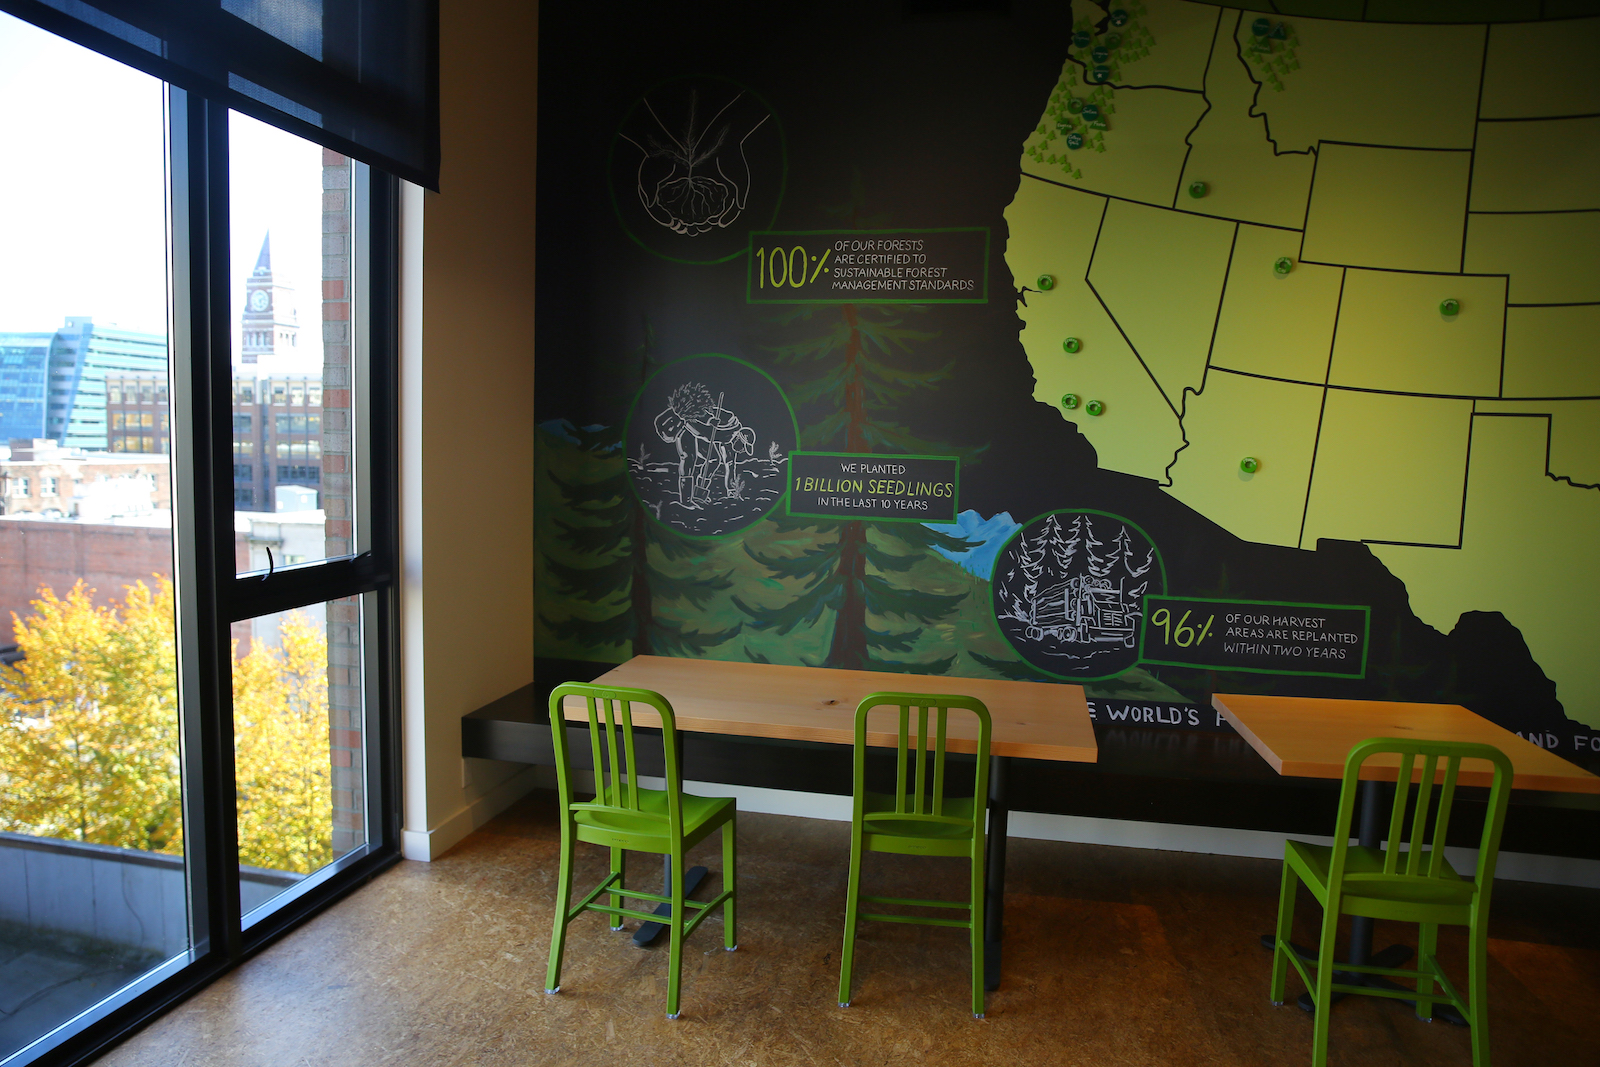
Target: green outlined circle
{"x":643,"y":480}
{"x":1006,"y":561}
{"x":744,"y":227}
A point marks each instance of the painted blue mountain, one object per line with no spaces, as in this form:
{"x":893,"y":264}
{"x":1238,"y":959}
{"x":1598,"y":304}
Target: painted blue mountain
{"x":590,"y":438}
{"x":993,"y":533}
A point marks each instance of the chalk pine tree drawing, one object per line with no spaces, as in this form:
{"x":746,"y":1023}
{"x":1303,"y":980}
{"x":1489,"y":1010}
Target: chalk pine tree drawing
{"x":861,"y":369}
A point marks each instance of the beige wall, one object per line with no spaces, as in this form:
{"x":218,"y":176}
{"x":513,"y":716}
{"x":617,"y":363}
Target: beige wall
{"x":467,"y":371}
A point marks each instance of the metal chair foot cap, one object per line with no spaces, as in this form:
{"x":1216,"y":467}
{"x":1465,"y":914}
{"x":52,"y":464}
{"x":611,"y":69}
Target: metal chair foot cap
{"x":977,"y":1015}
{"x":552,"y":992}
{"x":1277,"y":1003}
{"x":731,"y":948}
{"x":844,"y":1003}
{"x":671,"y":1015}
{"x":616,"y":928}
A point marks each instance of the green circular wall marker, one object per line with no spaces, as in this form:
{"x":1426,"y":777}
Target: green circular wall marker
{"x":1197,"y":189}
{"x":1074,"y":105}
{"x":1071,"y":344}
{"x":1100,"y":54}
{"x":1094,"y":407}
{"x":1450,"y":307}
{"x":1074,"y":140}
{"x":1046,"y":282}
{"x":1261,"y":27}
{"x":1069,"y":401}
{"x":1249,"y":464}
{"x":1113,"y":40}
{"x":1091,"y":112}
{"x":1282,"y":265}
{"x":1102,"y":73}
{"x":1080,"y":39}
{"x":1119,"y":17}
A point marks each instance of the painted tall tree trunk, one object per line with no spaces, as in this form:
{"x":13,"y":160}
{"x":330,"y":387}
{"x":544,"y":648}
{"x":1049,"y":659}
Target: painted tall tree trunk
{"x":848,"y":650}
{"x":639,"y":585}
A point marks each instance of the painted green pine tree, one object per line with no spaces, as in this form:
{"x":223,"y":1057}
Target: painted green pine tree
{"x":862,"y":363}
{"x":608,"y":530}
{"x":611,"y":529}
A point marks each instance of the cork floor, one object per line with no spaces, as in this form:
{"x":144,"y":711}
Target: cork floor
{"x":1113,"y":956}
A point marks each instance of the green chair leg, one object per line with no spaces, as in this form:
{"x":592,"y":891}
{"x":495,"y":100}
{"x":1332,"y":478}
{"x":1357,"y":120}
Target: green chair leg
{"x":619,"y":867}
{"x":975,"y":914}
{"x":1478,"y":989}
{"x":558,"y":936}
{"x":1427,"y":947}
{"x":1322,"y":992}
{"x":1278,"y":988}
{"x":851,"y":903}
{"x":730,"y":858}
{"x":675,"y":926}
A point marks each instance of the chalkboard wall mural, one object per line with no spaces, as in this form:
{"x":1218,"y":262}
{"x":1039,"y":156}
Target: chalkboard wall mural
{"x":1215,"y":363}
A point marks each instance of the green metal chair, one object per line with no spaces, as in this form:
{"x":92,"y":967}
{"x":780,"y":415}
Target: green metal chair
{"x":1408,"y":881}
{"x":917,"y":819}
{"x":624,"y":816}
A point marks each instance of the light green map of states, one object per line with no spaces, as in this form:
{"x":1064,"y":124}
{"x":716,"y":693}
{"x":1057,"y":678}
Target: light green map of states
{"x":1053,"y":233}
{"x":1463,"y":446}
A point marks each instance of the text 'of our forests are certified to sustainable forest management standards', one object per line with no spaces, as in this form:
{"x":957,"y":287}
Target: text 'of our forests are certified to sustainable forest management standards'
{"x":1262,"y":637}
{"x":942,"y":266}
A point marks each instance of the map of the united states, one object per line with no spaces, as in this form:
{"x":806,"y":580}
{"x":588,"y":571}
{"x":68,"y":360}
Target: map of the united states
{"x":1365,"y":257}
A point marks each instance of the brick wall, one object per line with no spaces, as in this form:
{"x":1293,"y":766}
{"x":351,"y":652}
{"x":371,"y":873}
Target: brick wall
{"x":108,"y":558}
{"x":345,"y":717}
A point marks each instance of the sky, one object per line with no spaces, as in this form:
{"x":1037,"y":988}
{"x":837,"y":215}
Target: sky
{"x":83,"y":195}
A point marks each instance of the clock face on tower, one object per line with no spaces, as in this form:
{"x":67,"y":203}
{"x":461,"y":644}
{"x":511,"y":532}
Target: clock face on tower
{"x":258,"y":300}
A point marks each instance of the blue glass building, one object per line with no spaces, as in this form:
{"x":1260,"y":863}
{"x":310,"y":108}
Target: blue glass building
{"x":23,"y":361}
{"x":54,"y":384}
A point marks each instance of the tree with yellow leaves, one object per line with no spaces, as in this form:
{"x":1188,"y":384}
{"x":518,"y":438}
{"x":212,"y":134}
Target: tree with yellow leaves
{"x":89,"y":722}
{"x":280,"y":736}
{"x":89,"y":731}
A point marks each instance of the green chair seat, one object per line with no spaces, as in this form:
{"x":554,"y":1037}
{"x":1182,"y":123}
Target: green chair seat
{"x":912,"y":836}
{"x":1408,"y":881}
{"x":627,"y":817}
{"x":918,"y":819}
{"x":638,"y":832}
{"x":1368,"y":891}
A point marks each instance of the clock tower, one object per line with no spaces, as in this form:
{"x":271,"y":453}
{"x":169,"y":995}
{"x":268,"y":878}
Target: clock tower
{"x":269,"y":326}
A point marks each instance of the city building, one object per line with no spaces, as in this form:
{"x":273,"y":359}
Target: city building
{"x":42,"y":479}
{"x":23,"y":359}
{"x":270,"y":325}
{"x":82,"y":355}
{"x":137,"y":413}
{"x":277,"y":436}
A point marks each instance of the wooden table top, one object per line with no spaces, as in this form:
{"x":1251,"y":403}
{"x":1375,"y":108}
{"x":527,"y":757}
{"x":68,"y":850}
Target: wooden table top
{"x":1308,"y":737}
{"x":1029,"y":719}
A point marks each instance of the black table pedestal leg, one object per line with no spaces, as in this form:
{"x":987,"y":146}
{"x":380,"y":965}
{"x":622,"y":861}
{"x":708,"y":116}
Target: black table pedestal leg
{"x":994,"y":904}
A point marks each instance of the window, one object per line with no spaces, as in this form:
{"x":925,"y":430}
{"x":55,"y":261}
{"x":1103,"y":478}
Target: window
{"x":268,"y":653}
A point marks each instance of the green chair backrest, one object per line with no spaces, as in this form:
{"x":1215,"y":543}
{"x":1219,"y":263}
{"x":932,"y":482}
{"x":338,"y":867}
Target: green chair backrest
{"x":1424,"y":807}
{"x":616,"y":773}
{"x":920,"y":755}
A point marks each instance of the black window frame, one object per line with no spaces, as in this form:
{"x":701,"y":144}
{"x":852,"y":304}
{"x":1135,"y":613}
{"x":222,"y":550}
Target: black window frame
{"x":211,"y":596}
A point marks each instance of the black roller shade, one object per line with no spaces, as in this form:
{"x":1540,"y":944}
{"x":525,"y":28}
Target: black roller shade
{"x":358,"y":76}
